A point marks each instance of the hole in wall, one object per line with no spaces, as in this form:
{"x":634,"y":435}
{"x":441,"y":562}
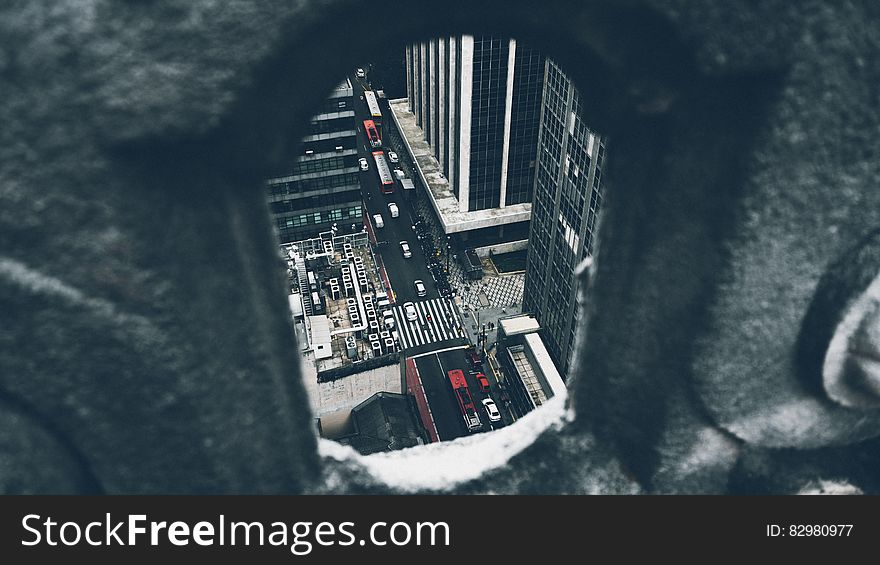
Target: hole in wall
{"x":430,"y":224}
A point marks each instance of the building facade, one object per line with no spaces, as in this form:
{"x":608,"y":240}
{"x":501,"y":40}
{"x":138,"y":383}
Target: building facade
{"x":568,"y":195}
{"x":477,"y":102}
{"x":322,"y":191}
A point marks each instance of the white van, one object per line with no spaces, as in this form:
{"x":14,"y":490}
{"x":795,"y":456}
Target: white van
{"x":377,"y":219}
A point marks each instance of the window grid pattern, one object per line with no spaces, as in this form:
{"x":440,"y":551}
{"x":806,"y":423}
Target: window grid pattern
{"x":487,"y":121}
{"x":565,"y":207}
{"x":528,"y":79}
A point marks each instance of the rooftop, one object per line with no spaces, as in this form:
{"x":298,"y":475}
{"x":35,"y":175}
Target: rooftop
{"x":384,"y":422}
{"x":341,"y":395}
{"x":443,"y":200}
{"x":519,"y":324}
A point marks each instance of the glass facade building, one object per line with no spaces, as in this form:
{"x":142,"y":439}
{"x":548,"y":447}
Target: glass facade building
{"x":323,"y":187}
{"x":477,"y":99}
{"x":568,"y":195}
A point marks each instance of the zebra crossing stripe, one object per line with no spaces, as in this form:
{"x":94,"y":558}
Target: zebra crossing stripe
{"x":453,"y":320}
{"x":410,"y":334}
{"x":416,"y":327}
{"x":437,"y":308}
{"x":422,"y":318}
{"x":442,"y":326}
{"x":441,"y":319}
{"x":401,"y":331}
{"x":429,"y":329}
{"x":435,"y":325}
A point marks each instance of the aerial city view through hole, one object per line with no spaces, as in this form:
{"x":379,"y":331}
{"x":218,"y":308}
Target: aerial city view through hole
{"x":431,"y":222}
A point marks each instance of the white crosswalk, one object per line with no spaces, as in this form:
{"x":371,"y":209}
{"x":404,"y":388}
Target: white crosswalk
{"x":437,"y":322}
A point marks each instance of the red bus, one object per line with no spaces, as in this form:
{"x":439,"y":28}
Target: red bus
{"x":465,"y":401}
{"x":372,"y":133}
{"x":385,"y":178}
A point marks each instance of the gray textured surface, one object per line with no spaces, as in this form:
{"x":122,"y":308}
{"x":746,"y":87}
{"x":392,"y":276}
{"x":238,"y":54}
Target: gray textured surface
{"x":144,"y":336}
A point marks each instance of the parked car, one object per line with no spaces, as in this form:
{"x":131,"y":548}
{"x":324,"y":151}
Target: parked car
{"x":365,"y":166}
{"x":404,"y":247}
{"x":483,"y":382}
{"x":409,"y":310}
{"x":492,"y":410}
{"x":392,"y":156}
{"x":399,"y":173}
{"x":420,"y":288}
{"x":360,"y":73}
{"x":377,"y":219}
{"x":395,"y":211}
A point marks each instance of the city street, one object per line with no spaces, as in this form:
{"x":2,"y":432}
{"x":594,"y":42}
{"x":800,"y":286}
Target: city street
{"x":433,"y":369}
{"x":437,"y":337}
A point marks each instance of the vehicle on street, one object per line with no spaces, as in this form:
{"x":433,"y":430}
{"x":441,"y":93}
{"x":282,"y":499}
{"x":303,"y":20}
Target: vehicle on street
{"x":400,"y":174}
{"x":385,"y":178}
{"x":474,"y":359}
{"x":360,"y":73}
{"x":409,"y":309}
{"x":392,"y":156}
{"x":420,"y":288}
{"x":373,"y":106}
{"x":492,"y":410}
{"x":377,"y":219}
{"x":388,"y":319}
{"x":364,"y":164}
{"x":404,"y":247}
{"x":483,"y":382}
{"x":464,"y":399}
{"x":373,"y":134}
{"x":395,"y":211}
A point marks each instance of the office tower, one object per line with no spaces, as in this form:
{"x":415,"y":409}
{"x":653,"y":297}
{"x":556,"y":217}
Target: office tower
{"x":322,"y":192}
{"x":477,"y":102}
{"x":568,"y":194}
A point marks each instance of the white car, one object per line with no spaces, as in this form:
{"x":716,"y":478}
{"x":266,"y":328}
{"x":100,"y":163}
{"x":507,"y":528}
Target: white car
{"x":395,"y":211}
{"x":365,"y":166}
{"x":492,"y":410}
{"x":420,"y":288}
{"x":409,"y":310}
{"x":404,"y":247}
{"x":392,"y":156}
{"x":388,"y":318}
{"x":377,"y":219}
{"x":400,"y":174}
{"x":360,"y":73}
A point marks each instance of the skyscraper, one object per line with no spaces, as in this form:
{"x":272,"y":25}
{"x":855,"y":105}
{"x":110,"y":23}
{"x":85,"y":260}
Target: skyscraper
{"x":477,"y":102}
{"x":568,"y":194}
{"x":323,"y":187}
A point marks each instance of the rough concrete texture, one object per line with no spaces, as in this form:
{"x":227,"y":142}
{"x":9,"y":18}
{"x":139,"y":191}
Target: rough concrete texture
{"x":144,"y":332}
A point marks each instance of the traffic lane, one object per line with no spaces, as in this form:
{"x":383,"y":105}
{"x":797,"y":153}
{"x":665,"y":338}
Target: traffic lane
{"x":447,"y":417}
{"x":401,"y":271}
{"x":455,"y":359}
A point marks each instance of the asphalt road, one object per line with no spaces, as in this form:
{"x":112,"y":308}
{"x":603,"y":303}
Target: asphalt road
{"x":401,"y":273}
{"x":447,"y":416}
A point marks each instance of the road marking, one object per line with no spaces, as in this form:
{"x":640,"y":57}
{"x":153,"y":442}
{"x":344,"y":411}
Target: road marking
{"x":453,"y":348}
{"x":441,"y":320}
{"x":401,"y":327}
{"x":442,"y":325}
{"x":423,"y":318}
